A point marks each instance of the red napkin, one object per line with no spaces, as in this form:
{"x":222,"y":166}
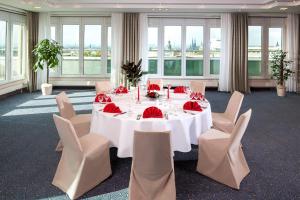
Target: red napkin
{"x":112,"y":108}
{"x":179,"y":89}
{"x":124,"y":90}
{"x":152,"y":112}
{"x":197,"y":96}
{"x":153,"y":87}
{"x":103,"y":100}
{"x":192,"y":105}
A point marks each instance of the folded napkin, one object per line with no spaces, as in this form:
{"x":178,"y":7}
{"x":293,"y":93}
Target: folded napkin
{"x":152,"y":112}
{"x":112,"y":108}
{"x":153,"y":87}
{"x":196,"y":96}
{"x":192,"y":105}
{"x":101,"y":98}
{"x":179,"y":89}
{"x":121,"y":89}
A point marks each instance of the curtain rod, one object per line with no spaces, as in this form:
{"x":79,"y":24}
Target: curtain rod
{"x":12,"y":10}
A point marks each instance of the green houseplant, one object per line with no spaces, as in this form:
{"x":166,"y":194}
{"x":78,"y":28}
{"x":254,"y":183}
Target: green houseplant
{"x":280,"y":70}
{"x":46,"y":54}
{"x":133,"y":72}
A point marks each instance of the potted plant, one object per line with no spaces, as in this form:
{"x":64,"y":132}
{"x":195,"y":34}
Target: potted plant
{"x":46,"y":53}
{"x":133,"y":72}
{"x":280,"y":70}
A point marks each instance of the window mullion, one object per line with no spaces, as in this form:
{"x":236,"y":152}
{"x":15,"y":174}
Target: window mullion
{"x":265,"y":49}
{"x":206,"y":40}
{"x":104,"y":49}
{"x":81,"y":47}
{"x":161,"y":50}
{"x":9,"y":52}
{"x":183,"y":51}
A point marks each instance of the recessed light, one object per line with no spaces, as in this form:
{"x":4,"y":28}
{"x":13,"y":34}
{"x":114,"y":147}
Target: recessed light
{"x":153,"y":9}
{"x":166,"y":9}
{"x":284,"y":8}
{"x":37,"y":7}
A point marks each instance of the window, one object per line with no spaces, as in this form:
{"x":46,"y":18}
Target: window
{"x":70,"y":62}
{"x":194,"y":50}
{"x":108,"y":50}
{"x":92,"y":49}
{"x":152,"y":50}
{"x":86,"y":45}
{"x":215,"y":50}
{"x":2,"y":50}
{"x":172,"y":51}
{"x":184,"y":47}
{"x":17,"y":47}
{"x":264,"y":37}
{"x":254,"y":50}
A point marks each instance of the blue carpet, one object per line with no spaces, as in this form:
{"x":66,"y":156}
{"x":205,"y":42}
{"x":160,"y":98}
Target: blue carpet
{"x":271,"y":145}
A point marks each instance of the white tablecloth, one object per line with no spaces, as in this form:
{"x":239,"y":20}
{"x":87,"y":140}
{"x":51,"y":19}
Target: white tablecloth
{"x":185,"y":128}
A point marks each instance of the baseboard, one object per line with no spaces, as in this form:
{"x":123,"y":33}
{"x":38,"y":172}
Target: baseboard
{"x":19,"y":91}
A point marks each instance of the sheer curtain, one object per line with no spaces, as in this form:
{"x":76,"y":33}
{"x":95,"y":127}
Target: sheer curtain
{"x":293,"y":49}
{"x":226,"y":41}
{"x":116,"y":47}
{"x":143,"y":42}
{"x":44,"y":33}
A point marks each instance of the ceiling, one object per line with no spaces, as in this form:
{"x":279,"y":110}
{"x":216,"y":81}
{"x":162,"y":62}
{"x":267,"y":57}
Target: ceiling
{"x":155,"y":5}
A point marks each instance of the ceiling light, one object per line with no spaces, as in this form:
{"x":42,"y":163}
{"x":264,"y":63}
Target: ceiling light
{"x":37,"y":7}
{"x":284,"y":8}
{"x":153,"y":9}
{"x":166,"y":9}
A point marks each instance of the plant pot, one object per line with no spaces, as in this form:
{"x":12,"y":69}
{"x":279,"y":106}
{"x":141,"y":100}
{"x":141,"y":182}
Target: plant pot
{"x":281,"y":90}
{"x":46,"y":89}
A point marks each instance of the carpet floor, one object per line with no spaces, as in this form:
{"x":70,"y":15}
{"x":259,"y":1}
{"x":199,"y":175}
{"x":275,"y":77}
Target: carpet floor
{"x":271,"y":145}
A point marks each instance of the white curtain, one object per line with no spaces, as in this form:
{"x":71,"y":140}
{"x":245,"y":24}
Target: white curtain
{"x":116,"y":47}
{"x":143,"y":42}
{"x":44,"y":33}
{"x":226,"y":38}
{"x":293,"y":49}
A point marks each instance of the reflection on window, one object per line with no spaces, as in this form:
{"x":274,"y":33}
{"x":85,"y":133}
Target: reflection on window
{"x":2,"y":49}
{"x":194,"y":50}
{"x":70,"y":63}
{"x":17,"y":39}
{"x":108,"y":69}
{"x":152,"y":49}
{"x":172,"y":51}
{"x":92,"y":49}
{"x":254,"y":50}
{"x":215,"y":50}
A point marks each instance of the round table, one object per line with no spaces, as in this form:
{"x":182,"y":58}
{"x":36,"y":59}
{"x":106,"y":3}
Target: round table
{"x":185,"y":127}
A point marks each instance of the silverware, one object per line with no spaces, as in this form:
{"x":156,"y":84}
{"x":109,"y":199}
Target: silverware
{"x":166,"y":116}
{"x":138,"y":117}
{"x":119,"y":114}
{"x":189,"y":112}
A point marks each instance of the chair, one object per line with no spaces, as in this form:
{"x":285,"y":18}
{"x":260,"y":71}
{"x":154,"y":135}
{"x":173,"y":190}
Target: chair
{"x":156,"y":81}
{"x":103,"y":86}
{"x":225,"y":121}
{"x":198,"y":86}
{"x":81,"y":123}
{"x":84,"y":162}
{"x":220,"y":155}
{"x":152,"y":173}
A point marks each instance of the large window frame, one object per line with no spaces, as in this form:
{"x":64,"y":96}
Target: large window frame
{"x":104,"y":22}
{"x":160,"y":23}
{"x":12,"y":19}
{"x":266,"y":23}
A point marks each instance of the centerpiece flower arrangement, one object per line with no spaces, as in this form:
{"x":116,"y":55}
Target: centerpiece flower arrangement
{"x":152,"y":94}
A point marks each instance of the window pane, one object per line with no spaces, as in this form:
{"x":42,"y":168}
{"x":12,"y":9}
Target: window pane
{"x":92,"y":49}
{"x":172,"y":51}
{"x":194,"y":51}
{"x":53,"y":35}
{"x":254,"y":50}
{"x":108,"y":50}
{"x":2,"y":49}
{"x":17,"y":38}
{"x":152,"y":49}
{"x":70,"y":63}
{"x":275,"y":40}
{"x":215,"y":50}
